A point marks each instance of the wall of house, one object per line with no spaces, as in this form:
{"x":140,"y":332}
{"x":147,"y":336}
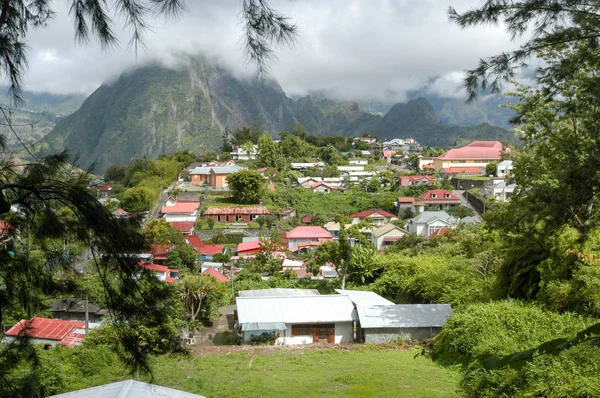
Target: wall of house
{"x":344,"y":333}
{"x":392,"y":234}
{"x":443,"y":164}
{"x":385,"y":335}
{"x":199,"y":177}
{"x":77,"y":316}
{"x":53,"y":343}
{"x":179,"y":217}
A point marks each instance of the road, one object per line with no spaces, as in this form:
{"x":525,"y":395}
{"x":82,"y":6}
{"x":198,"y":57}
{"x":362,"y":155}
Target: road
{"x":466,"y":203}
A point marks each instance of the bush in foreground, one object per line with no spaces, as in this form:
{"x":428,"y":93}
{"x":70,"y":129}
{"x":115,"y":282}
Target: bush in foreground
{"x":478,"y":331}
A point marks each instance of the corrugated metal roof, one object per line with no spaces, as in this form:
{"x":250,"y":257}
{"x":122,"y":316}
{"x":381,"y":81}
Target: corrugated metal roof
{"x":300,"y":309}
{"x":403,"y":315}
{"x":263,"y":326}
{"x":362,"y":297}
{"x":129,"y":389}
{"x":278,"y":292}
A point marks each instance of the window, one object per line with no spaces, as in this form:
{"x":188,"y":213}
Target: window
{"x":446,"y":195}
{"x":433,"y":229}
{"x":433,"y":195}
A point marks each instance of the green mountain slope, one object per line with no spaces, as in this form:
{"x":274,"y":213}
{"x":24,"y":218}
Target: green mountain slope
{"x":155,"y":110}
{"x":36,"y":116}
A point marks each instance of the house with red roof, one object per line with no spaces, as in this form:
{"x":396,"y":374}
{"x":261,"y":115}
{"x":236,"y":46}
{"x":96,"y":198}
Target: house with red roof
{"x":248,"y":248}
{"x":235,"y":213}
{"x":440,"y":199}
{"x":186,"y":227}
{"x":160,"y":253}
{"x":375,"y":217}
{"x":180,"y":211}
{"x":404,"y":204}
{"x":407,"y":181}
{"x":162,"y":272}
{"x":120,"y":213}
{"x":475,"y":155}
{"x":206,"y":250}
{"x":50,"y":332}
{"x":210,"y":271}
{"x":105,"y":191}
{"x":307,"y":236}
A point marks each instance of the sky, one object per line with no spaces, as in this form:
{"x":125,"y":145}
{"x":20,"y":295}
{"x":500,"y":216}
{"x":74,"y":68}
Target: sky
{"x":351,"y":49}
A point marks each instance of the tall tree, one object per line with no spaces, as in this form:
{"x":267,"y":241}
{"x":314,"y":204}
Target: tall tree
{"x":267,"y":154}
{"x":246,"y":186}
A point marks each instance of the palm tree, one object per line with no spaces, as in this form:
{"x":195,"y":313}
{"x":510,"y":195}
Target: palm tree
{"x":193,"y":289}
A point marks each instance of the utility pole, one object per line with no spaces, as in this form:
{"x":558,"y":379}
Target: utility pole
{"x":87,"y":316}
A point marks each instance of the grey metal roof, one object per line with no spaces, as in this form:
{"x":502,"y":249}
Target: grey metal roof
{"x":75,"y":305}
{"x":429,"y":216}
{"x":470,"y":220}
{"x":403,"y":315}
{"x":129,"y":389}
{"x":362,"y":297}
{"x":263,"y":326}
{"x":278,"y":292}
{"x":299,"y":309}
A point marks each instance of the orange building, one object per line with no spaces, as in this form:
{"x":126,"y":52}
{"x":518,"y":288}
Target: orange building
{"x":213,"y":176}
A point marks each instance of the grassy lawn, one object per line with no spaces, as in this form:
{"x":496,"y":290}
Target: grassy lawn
{"x":355,"y":372}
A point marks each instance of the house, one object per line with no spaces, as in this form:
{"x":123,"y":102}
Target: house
{"x":160,"y":253}
{"x":210,"y":271}
{"x":476,"y":155}
{"x":358,"y":161}
{"x":504,"y":168}
{"x":296,"y":319}
{"x":306,"y":166}
{"x":306,"y":219}
{"x":334,"y":229}
{"x":348,"y":169}
{"x":502,"y":191}
{"x":105,"y":191}
{"x":235,"y":213}
{"x":214,"y":176}
{"x":467,"y":171}
{"x":292,"y":264}
{"x":375,"y":217}
{"x":307,"y":182}
{"x":287,"y":214}
{"x":186,"y":227}
{"x":369,"y":139}
{"x":180,"y":211}
{"x":74,"y":309}
{"x":120,"y":213}
{"x":406,"y":181}
{"x":425,"y":164}
{"x":440,"y":199}
{"x":206,"y":250}
{"x":238,"y":153}
{"x":50,"y":332}
{"x":218,"y":175}
{"x":207,"y":264}
{"x":128,"y":389}
{"x":429,"y":222}
{"x":248,"y":248}
{"x":364,"y":297}
{"x":405,"y":204}
{"x":387,"y":235}
{"x":163,"y":273}
{"x":396,"y":144}
{"x":384,"y":323}
{"x":307,"y":236}
{"x":321,"y":187}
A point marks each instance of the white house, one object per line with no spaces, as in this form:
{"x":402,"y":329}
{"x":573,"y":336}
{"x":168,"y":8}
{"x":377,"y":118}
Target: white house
{"x":306,"y":166}
{"x":239,"y":153}
{"x":376,"y":217}
{"x":358,"y":161}
{"x":501,"y":191}
{"x":387,"y":235}
{"x":298,"y":319}
{"x":504,"y":168}
{"x":180,"y":211}
{"x":347,"y":169}
{"x":307,"y":236}
{"x":321,"y":187}
{"x":430,"y":222}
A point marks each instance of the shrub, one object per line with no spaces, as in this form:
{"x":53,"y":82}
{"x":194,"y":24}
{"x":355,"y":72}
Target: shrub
{"x":475,"y":332}
{"x":264,"y":338}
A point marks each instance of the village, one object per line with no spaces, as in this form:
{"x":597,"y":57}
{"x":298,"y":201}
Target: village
{"x":197,"y":230}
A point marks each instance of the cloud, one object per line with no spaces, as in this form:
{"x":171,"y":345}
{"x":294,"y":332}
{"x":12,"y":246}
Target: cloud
{"x":353,"y":49}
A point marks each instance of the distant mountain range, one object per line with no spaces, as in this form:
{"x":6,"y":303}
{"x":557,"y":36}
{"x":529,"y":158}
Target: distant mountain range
{"x":37,"y":115}
{"x":154,"y":110}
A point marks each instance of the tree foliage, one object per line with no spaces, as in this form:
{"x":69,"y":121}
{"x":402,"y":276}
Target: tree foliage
{"x":246,"y":186}
{"x":266,"y":151}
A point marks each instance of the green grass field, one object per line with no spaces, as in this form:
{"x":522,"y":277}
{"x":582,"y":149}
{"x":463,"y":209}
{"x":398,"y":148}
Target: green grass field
{"x":355,"y":372}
